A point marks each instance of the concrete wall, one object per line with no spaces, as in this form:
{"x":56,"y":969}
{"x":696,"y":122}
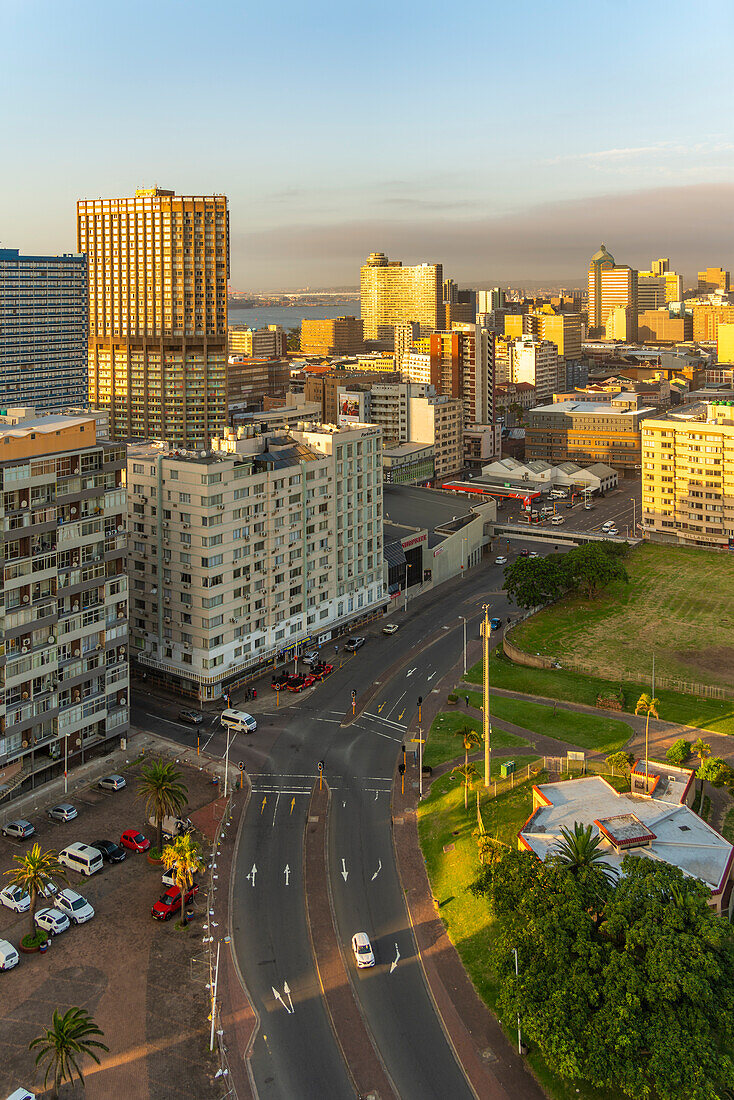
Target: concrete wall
{"x":529,"y":660}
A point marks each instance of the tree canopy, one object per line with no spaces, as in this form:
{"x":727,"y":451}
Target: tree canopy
{"x":586,"y":571}
{"x":626,"y":984}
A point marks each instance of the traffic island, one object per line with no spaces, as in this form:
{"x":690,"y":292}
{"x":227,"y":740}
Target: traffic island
{"x":362,"y":1061}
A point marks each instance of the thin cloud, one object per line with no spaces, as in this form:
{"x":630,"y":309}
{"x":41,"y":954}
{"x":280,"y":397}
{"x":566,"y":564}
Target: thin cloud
{"x":666,"y":148}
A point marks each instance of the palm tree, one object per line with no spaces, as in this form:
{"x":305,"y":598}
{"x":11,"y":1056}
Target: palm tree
{"x":647,"y":705}
{"x":184,"y":856}
{"x":32,"y":873}
{"x":581,"y":848}
{"x":466,"y":771}
{"x":471,"y":740}
{"x":164,"y":792}
{"x":701,"y":749}
{"x":69,"y":1037}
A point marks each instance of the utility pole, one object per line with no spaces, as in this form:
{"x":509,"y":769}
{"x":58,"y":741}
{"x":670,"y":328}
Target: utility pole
{"x":487,"y":727}
{"x":66,"y":762}
{"x":519,"y":1032}
{"x":464,"y":622}
{"x":214,"y":998}
{"x":634,"y":514}
{"x":226,"y":763}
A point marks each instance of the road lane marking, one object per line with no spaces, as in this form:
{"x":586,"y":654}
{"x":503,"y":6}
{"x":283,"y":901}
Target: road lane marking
{"x":251,"y":875}
{"x":379,"y":868}
{"x":379,"y":709}
{"x":293,"y":802}
{"x":277,"y":800}
{"x":263,"y":805}
{"x":287,"y":992}
{"x":400,"y":716}
{"x":394,"y":963}
{"x":287,"y":873}
{"x":169,"y":721}
{"x":344,"y":870}
{"x":278,"y":997}
{"x":385,"y":721}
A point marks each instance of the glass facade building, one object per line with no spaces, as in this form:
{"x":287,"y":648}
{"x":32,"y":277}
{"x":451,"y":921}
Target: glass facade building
{"x":43,"y":330}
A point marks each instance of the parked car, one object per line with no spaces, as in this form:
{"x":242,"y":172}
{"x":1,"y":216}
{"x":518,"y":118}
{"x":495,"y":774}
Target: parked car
{"x":19,"y":830}
{"x":524,"y":553}
{"x":390,"y":628}
{"x":52,"y":920}
{"x":134,"y":840}
{"x":501,"y":560}
{"x":9,"y":957}
{"x":63,"y":812}
{"x":112,"y":783}
{"x":280,"y":682}
{"x":191,"y":717}
{"x":353,"y":644}
{"x":22,"y":1094}
{"x":362,"y":948}
{"x":298,"y":683}
{"x":76,"y":907}
{"x":495,"y":624}
{"x":320,"y":672}
{"x":168,"y":878}
{"x":310,"y":657}
{"x":50,"y":890}
{"x":12,"y":897}
{"x":110,"y":851}
{"x":170,"y":902}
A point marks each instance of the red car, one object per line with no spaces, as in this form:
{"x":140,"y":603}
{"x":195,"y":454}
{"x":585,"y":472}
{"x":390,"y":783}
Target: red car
{"x":170,"y":902}
{"x":280,"y":683}
{"x":134,"y":840}
{"x":298,"y":683}
{"x":321,"y":671}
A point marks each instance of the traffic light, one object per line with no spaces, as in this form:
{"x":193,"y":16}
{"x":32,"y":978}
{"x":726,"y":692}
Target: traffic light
{"x":401,"y":769}
{"x":354,"y":696}
{"x":420,"y":700}
{"x":321,"y":765}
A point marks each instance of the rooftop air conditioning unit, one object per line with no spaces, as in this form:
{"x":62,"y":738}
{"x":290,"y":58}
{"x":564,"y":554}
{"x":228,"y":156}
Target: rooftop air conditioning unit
{"x":73,"y":511}
{"x":24,"y":647}
{"x":24,"y":503}
{"x":187,"y":586}
{"x":187,"y":525}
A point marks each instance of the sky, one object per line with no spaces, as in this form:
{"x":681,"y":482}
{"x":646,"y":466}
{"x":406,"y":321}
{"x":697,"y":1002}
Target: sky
{"x":506,"y":141}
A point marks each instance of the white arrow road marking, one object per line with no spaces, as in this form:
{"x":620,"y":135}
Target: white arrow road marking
{"x":377,"y":795}
{"x":345,"y":872}
{"x":287,"y":873}
{"x":379,"y":868}
{"x":411,"y":671}
{"x":278,"y":997}
{"x":431,"y":676}
{"x":251,"y":876}
{"x":287,"y":991}
{"x":394,"y":963}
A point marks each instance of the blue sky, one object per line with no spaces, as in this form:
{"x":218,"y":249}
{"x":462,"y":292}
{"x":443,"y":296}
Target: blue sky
{"x":505,"y":140}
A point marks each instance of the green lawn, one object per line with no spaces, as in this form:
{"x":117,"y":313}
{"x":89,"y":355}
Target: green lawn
{"x":587,"y":731}
{"x":710,"y":714}
{"x":442,"y":820}
{"x":727,"y":829}
{"x":443,"y":744}
{"x":679,"y":604}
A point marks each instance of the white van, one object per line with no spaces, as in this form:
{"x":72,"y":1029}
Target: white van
{"x":557,"y":521}
{"x":238,"y":720}
{"x":9,"y":957}
{"x":82,"y":858}
{"x":608,"y":525}
{"x":557,"y":494}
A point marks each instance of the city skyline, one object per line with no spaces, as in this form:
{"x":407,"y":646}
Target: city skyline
{"x":550,"y":152}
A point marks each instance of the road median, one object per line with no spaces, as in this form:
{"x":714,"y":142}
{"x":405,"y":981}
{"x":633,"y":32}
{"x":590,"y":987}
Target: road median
{"x":362,"y":1061}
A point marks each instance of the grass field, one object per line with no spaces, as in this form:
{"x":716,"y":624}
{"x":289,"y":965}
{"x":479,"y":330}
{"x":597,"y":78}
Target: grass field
{"x":679,"y":604}
{"x":444,"y":745}
{"x":587,"y":731}
{"x":574,"y":687}
{"x":442,"y":820}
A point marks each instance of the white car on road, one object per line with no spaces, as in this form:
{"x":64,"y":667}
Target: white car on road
{"x":501,"y":560}
{"x":362,"y":949}
{"x":16,"y":899}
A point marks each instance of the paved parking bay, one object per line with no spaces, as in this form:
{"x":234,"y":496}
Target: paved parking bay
{"x":615,"y":505}
{"x":142,"y":980}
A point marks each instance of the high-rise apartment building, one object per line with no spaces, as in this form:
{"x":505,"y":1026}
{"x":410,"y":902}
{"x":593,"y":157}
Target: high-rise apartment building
{"x":565,"y":330}
{"x":536,"y":361}
{"x":405,"y":335}
{"x":610,"y":286}
{"x":490,"y":300}
{"x":713,"y":278}
{"x":158,"y":265}
{"x":707,"y":317}
{"x":391,"y":293}
{"x":621,"y":324}
{"x":461,"y":365}
{"x":43,"y":330}
{"x":63,"y":621}
{"x":688,"y":478}
{"x":725,"y":343}
{"x":270,"y":342}
{"x":332,"y":336}
{"x":263,"y":543}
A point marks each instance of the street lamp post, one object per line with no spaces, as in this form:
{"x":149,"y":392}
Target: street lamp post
{"x":66,"y":763}
{"x":407,"y":567}
{"x":519,"y":1032}
{"x":464,"y":622}
{"x":634,"y":514}
{"x":487,"y":726}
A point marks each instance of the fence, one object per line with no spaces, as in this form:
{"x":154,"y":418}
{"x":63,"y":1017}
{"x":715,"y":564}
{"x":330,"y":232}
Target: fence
{"x":685,"y":687}
{"x":223,"y":1076}
{"x":554,"y":766}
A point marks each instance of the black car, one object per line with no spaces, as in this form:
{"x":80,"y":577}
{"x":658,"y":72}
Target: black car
{"x":110,"y":851}
{"x":353,"y":644}
{"x":191,"y":716}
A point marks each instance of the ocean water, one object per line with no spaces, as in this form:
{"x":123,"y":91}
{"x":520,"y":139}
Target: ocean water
{"x":289,"y":316}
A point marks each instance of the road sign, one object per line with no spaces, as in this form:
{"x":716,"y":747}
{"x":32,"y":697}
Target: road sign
{"x":418,"y":740}
{"x":241,"y":765}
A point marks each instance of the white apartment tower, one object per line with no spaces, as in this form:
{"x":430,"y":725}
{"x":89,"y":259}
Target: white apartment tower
{"x":262,"y":544}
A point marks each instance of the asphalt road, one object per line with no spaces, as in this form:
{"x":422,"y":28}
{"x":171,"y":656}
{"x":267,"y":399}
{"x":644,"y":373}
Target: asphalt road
{"x":295,"y":1053}
{"x":615,"y":505}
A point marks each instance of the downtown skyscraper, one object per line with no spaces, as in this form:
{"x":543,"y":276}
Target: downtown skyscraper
{"x":158,"y":266}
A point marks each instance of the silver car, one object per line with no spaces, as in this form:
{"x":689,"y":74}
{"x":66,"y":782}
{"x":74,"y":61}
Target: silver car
{"x":63,"y":812}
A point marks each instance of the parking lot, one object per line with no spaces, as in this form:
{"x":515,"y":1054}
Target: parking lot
{"x":142,"y":980}
{"x":616,"y":505}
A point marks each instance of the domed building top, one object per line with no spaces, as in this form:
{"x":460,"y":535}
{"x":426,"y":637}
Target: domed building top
{"x":602,"y":256}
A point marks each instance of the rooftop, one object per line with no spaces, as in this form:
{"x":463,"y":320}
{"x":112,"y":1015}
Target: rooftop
{"x":660,"y":828}
{"x":410,"y":506}
{"x":591,"y":408}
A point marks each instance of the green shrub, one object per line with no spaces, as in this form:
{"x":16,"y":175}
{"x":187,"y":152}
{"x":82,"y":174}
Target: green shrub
{"x":678,"y":752}
{"x":39,"y":936}
{"x":452,"y":697}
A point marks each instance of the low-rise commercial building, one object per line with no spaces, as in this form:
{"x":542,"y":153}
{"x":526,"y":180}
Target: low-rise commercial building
{"x":270,"y":342}
{"x":688,"y":476}
{"x":332,"y":336}
{"x":588,"y":432}
{"x":659,"y":326}
{"x":64,"y":616}
{"x":408,"y":464}
{"x":259,"y":545}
